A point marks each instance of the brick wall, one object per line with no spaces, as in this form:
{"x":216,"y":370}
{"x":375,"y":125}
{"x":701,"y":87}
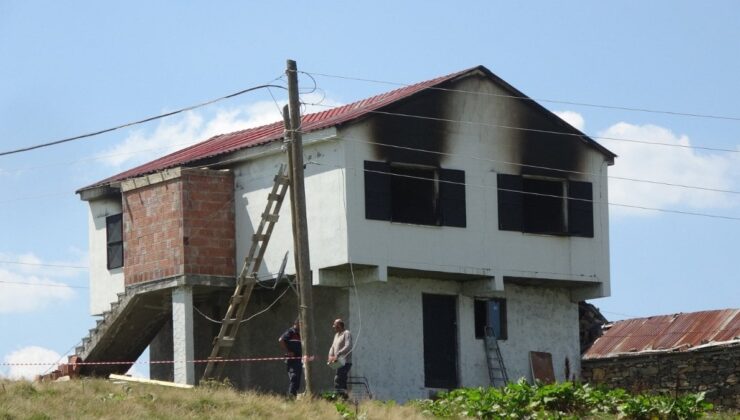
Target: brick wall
{"x":208,"y":231}
{"x":179,"y":225}
{"x":715,"y":370}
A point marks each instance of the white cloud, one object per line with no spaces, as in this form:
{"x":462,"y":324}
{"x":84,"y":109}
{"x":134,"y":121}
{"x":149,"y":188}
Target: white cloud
{"x":28,"y":286}
{"x":177,"y":133}
{"x":675,"y":165}
{"x":573,"y":118}
{"x":39,"y":361}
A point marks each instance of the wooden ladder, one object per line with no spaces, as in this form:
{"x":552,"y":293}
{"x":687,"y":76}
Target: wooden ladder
{"x":496,"y":368}
{"x":226,"y":337}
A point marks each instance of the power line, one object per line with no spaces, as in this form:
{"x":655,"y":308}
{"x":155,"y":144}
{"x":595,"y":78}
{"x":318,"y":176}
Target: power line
{"x":556,"y":101}
{"x":546,"y":195}
{"x":43,"y":284}
{"x":354,"y":139}
{"x":156,"y":117}
{"x":562,"y":133}
{"x":79,"y":267}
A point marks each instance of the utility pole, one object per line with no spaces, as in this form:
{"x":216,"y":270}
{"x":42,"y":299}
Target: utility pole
{"x":300,"y":227}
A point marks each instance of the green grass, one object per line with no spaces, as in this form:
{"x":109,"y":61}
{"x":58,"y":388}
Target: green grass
{"x":99,"y":398}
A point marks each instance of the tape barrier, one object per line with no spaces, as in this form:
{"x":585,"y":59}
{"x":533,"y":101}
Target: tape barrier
{"x":154,"y":362}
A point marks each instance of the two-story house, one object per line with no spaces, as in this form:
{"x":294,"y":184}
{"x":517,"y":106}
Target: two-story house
{"x":434,"y":210}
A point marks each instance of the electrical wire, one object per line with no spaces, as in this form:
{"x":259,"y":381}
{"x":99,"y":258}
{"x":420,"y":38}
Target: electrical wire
{"x":351,"y":268}
{"x":43,"y":284}
{"x":556,"y":101}
{"x":253,"y":316}
{"x":541,"y":131}
{"x":45,"y":265}
{"x":148,"y":119}
{"x":547,"y":195}
{"x":357,"y":140}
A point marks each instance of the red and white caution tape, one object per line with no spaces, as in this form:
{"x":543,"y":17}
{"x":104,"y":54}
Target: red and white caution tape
{"x":154,"y":362}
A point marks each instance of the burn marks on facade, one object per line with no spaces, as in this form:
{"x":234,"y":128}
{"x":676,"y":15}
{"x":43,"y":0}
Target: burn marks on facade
{"x":544,"y":198}
{"x":404,"y":184}
{"x":419,"y":126}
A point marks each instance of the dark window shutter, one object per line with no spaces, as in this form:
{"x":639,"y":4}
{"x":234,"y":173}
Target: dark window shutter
{"x":452,"y":197}
{"x":114,"y":228}
{"x":377,"y":190}
{"x":509,"y":202}
{"x":114,"y":239}
{"x":580,"y":213}
{"x":115,"y":255}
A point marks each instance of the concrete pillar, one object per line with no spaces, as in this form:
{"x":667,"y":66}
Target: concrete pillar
{"x":183,"y":348}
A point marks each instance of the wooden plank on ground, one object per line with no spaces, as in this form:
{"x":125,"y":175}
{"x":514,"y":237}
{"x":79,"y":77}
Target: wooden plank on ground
{"x":148,"y":381}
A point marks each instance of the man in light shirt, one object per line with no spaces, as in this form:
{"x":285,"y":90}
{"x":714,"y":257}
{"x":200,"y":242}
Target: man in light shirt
{"x":340,"y":356}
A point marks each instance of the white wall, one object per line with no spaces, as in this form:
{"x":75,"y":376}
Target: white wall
{"x":327,"y":221}
{"x":481,"y":248}
{"x":104,"y":283}
{"x":386,"y":321}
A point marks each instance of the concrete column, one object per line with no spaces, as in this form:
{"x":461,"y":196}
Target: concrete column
{"x":183,"y":348}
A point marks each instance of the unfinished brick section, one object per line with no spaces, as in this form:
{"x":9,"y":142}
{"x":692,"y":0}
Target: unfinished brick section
{"x":179,"y":226}
{"x":714,"y":370}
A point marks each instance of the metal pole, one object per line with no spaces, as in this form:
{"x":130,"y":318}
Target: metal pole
{"x":303,"y":270}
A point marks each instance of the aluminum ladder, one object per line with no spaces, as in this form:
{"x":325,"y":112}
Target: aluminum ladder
{"x":496,"y":368}
{"x":226,"y":337}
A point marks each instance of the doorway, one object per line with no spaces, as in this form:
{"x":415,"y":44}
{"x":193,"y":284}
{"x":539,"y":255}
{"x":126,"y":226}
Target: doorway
{"x":440,"y":340}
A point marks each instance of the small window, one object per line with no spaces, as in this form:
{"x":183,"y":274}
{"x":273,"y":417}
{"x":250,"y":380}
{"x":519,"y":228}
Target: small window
{"x":416,"y":194}
{"x":546,"y":206}
{"x":490,"y":313}
{"x":114,"y":240}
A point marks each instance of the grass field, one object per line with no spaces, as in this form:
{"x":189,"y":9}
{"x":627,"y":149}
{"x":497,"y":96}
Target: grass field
{"x":104,"y":399}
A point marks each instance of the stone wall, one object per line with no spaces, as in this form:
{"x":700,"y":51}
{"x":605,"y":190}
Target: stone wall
{"x":714,"y":370}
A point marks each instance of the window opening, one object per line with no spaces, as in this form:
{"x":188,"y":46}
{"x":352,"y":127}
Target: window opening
{"x":544,"y":209}
{"x":490,"y":313}
{"x":114,"y":240}
{"x":414,"y":195}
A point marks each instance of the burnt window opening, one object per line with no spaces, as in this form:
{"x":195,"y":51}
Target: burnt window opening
{"x":545,"y":206}
{"x":114,"y":240}
{"x":490,"y":314}
{"x":415,"y":194}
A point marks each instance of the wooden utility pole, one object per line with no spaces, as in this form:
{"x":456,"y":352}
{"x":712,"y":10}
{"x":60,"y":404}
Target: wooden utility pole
{"x":300,"y":239}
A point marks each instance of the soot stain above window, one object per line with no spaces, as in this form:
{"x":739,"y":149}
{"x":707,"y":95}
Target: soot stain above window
{"x":413,"y":133}
{"x":549,"y":150}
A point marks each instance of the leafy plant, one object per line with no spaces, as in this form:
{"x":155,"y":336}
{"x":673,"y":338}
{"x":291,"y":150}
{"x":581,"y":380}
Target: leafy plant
{"x":562,"y":400}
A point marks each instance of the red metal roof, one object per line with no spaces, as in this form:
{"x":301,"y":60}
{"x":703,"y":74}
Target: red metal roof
{"x":678,"y":332}
{"x":231,"y":142}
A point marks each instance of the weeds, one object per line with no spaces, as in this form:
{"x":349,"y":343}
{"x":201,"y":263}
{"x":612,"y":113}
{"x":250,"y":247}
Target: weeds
{"x":563,"y":400}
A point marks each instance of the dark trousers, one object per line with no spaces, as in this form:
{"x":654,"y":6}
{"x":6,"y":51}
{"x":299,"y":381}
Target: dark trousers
{"x":295,"y":371}
{"x":340,"y":379}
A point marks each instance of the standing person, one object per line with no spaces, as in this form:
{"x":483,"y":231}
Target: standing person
{"x":340,"y":356}
{"x":290,"y":342}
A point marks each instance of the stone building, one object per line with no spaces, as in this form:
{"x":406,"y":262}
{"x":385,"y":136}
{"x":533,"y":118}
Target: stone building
{"x":693,"y":352}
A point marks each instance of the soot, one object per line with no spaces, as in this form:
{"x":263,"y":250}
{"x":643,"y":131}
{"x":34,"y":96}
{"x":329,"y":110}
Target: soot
{"x":557,"y":151}
{"x":411,"y":132}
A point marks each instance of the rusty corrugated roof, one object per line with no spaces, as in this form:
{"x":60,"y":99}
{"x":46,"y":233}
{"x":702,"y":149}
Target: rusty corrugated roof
{"x":678,"y":332}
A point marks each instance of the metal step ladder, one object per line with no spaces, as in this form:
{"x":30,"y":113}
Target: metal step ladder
{"x":226,"y":338}
{"x":496,"y":368}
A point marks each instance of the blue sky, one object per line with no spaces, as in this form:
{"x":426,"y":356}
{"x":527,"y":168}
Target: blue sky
{"x":74,"y":67}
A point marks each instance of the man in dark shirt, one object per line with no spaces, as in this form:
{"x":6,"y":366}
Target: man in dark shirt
{"x":290,"y":342}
